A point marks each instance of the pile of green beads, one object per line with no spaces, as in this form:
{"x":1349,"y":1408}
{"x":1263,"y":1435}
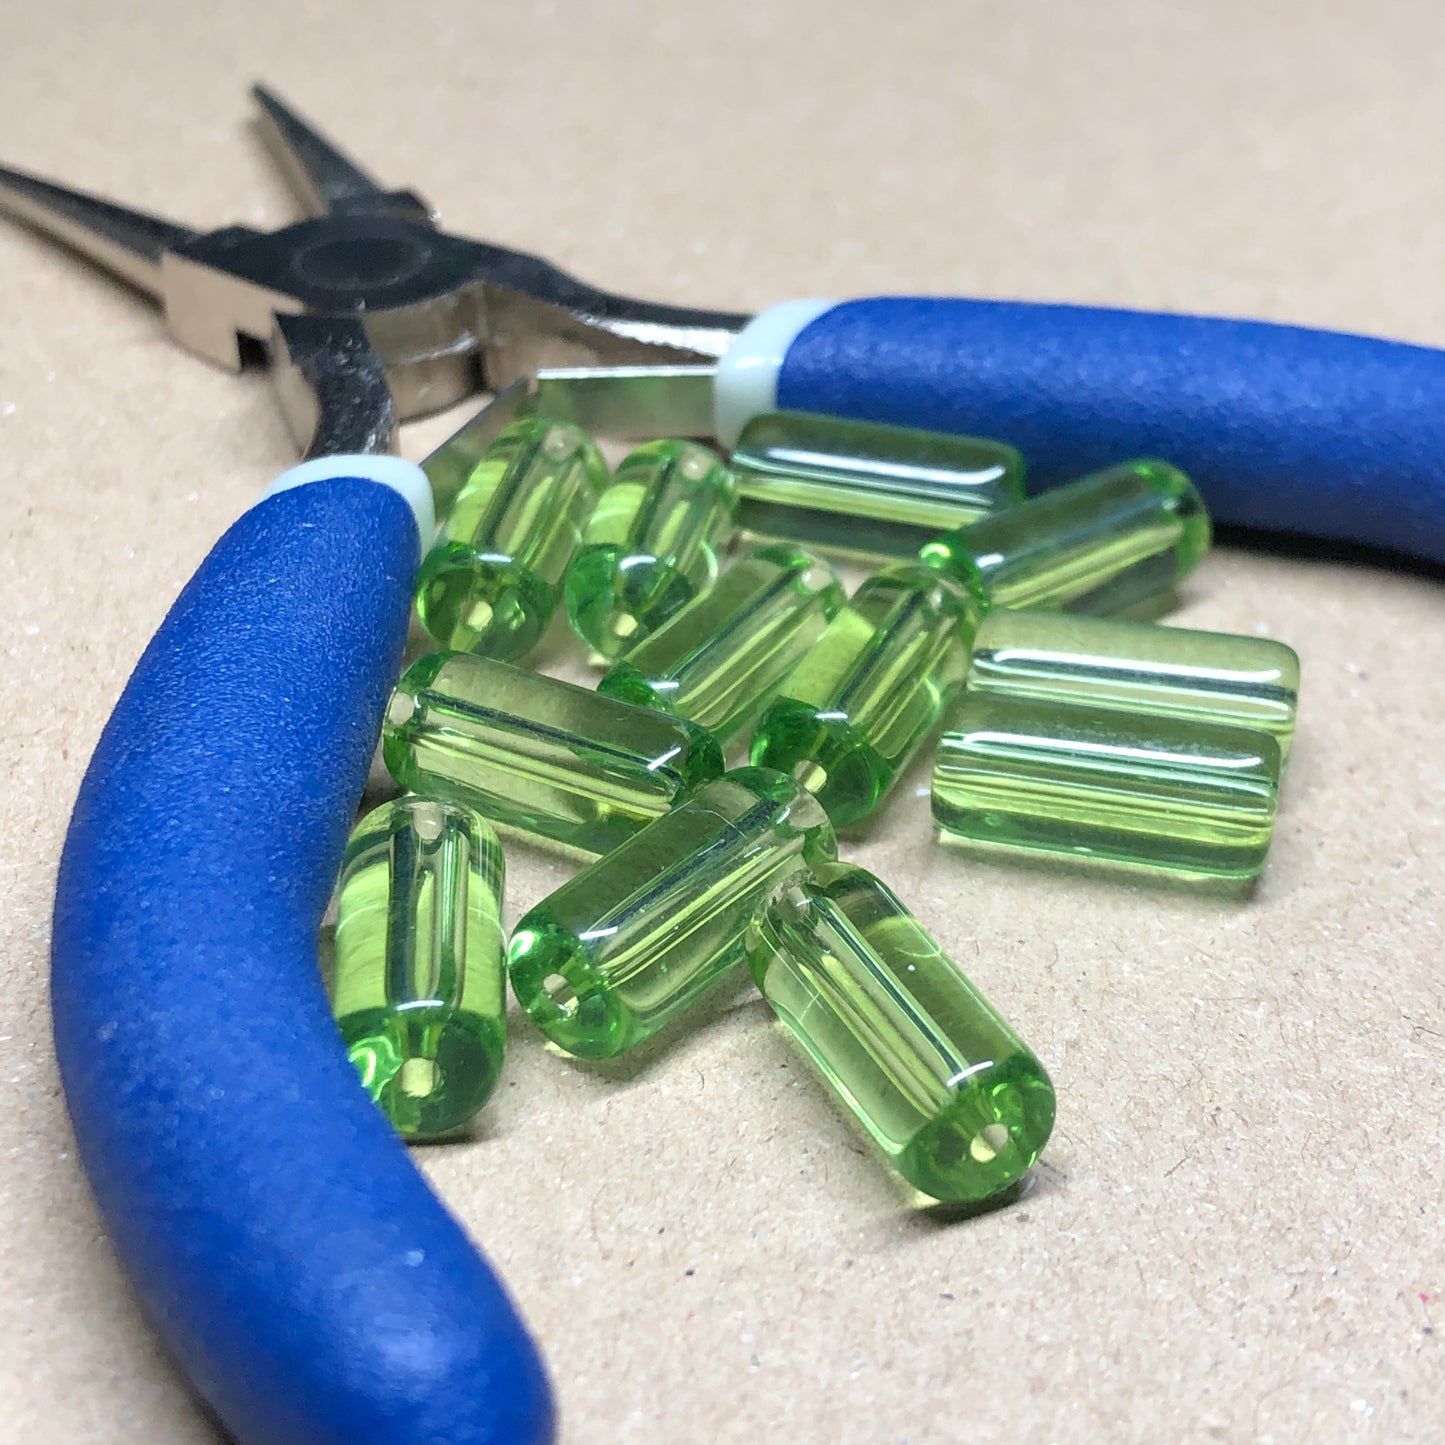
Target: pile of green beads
{"x":1067,"y":732}
{"x":854,"y":712}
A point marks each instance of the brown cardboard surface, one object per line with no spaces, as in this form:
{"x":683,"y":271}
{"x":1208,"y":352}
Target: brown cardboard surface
{"x":1236,"y":1234}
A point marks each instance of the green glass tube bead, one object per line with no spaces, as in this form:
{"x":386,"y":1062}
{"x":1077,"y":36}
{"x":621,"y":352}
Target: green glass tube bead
{"x":865,"y":489}
{"x":417,"y":984}
{"x":1103,"y":662}
{"x":1097,"y":545}
{"x":537,"y":754}
{"x":492,"y":581}
{"x":722,"y":658}
{"x":1166,"y":794}
{"x":651,"y":546}
{"x":855,"y":709}
{"x":952,"y":1095}
{"x":635,"y":938}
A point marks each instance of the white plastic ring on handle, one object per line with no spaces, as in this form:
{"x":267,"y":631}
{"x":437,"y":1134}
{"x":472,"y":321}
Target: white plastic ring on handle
{"x":747,"y":376}
{"x":401,"y":476}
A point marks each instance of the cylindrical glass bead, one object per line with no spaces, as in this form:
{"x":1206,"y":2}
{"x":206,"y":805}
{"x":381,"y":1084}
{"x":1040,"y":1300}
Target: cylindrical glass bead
{"x":855,"y":709}
{"x":491,"y":583}
{"x":865,"y":489}
{"x":537,"y":754}
{"x":722,"y":658}
{"x":1098,"y":545}
{"x":417,"y":982}
{"x":1138,"y":667}
{"x":651,"y":546}
{"x":635,"y":938}
{"x":957,"y":1102}
{"x":1178,"y":795}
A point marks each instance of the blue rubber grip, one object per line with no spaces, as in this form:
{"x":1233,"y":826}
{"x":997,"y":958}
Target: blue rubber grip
{"x":1283,"y":428}
{"x":296,"y":1264}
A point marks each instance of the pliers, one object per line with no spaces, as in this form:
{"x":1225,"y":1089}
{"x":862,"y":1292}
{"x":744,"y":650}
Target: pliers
{"x":295,"y":1263}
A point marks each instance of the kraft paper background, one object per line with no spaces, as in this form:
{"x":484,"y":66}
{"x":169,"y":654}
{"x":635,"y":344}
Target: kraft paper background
{"x":1236,"y":1234}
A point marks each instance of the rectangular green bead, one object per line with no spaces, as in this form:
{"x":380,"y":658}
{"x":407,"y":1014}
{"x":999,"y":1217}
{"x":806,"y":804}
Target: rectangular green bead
{"x":651,"y":544}
{"x":1137,"y":667}
{"x":537,"y":754}
{"x":492,"y":580}
{"x":722,"y":658}
{"x":1099,"y":544}
{"x":417,"y":985}
{"x":865,"y":489}
{"x":634,"y":939}
{"x":952,"y":1095}
{"x":859,"y":704}
{"x":1180,"y":795}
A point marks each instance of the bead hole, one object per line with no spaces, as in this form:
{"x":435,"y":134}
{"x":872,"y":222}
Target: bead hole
{"x":561,"y":993}
{"x":809,"y":775}
{"x":419,"y":1078}
{"x":403,"y":705}
{"x":426,"y":819}
{"x":988,"y":1143}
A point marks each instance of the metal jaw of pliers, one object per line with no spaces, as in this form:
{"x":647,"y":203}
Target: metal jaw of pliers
{"x":371,"y":314}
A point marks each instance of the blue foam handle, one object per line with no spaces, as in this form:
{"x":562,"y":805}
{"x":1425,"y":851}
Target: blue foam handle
{"x":1283,"y":428}
{"x":296,"y":1264}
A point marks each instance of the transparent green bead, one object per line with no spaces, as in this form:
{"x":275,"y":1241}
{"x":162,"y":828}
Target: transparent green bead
{"x":1098,"y":545}
{"x":952,"y":1095}
{"x":651,"y":545}
{"x":1137,"y":667}
{"x":635,"y":938}
{"x":721,"y":659}
{"x":865,"y":489}
{"x":1180,"y":795}
{"x":417,"y":984}
{"x":537,"y":754}
{"x":490,"y":584}
{"x":856,"y":708}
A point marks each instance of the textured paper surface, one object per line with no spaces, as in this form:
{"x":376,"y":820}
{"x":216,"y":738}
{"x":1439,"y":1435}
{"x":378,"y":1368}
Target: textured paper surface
{"x":1236,"y":1234}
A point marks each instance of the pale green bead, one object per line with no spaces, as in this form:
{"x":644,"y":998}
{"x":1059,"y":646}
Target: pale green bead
{"x":1209,"y":677}
{"x":1175,"y":795}
{"x":865,"y":489}
{"x":722,"y":658}
{"x":1101,"y":544}
{"x":417,"y":981}
{"x":957,"y":1102}
{"x":537,"y":754}
{"x":634,"y":939}
{"x":651,"y":546}
{"x":492,"y":581}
